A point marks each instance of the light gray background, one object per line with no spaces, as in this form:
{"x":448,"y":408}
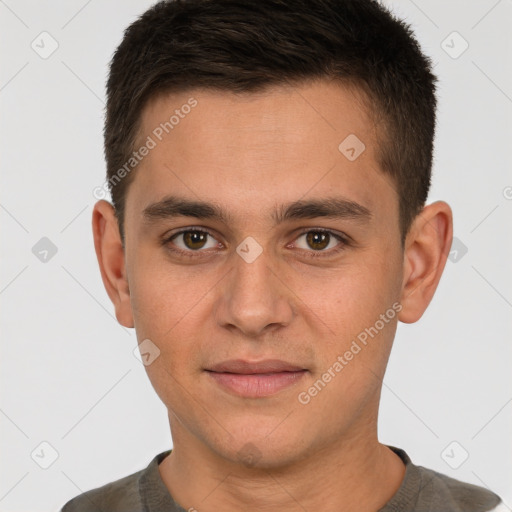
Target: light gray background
{"x":68,"y":373}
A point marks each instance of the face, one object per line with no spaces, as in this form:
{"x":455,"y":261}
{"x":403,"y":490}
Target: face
{"x":290,"y":252}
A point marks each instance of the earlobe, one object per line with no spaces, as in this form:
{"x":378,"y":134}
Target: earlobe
{"x":111,"y":259}
{"x":426,"y":249}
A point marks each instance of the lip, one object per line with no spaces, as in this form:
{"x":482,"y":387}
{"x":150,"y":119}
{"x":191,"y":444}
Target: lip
{"x":255,"y":379}
{"x":241,"y":366}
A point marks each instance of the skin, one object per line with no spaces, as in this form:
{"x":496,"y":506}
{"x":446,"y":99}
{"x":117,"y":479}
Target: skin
{"x":250,"y":154}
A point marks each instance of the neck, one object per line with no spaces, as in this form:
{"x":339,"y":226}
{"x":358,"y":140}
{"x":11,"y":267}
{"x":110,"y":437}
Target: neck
{"x":356,"y":473}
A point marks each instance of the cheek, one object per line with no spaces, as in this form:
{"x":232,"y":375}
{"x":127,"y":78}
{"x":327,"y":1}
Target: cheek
{"x":362,"y":317}
{"x":360,"y":307}
{"x":355,"y":299}
{"x":166,"y":308}
{"x":165,"y":295}
{"x":170,"y":306}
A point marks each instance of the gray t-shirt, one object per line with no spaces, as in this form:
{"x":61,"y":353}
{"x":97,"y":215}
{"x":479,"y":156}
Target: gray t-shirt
{"x":422,"y":490}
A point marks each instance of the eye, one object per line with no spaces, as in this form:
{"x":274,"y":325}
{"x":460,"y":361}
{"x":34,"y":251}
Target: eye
{"x":193,"y":240}
{"x":320,"y":241}
{"x":313,"y":242}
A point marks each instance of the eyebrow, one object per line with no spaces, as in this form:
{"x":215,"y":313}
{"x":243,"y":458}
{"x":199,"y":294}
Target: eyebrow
{"x":330,"y":207}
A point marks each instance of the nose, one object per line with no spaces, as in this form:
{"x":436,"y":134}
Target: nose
{"x":254,"y":298}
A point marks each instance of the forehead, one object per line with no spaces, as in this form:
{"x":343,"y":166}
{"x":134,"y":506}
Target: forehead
{"x":254,"y":150}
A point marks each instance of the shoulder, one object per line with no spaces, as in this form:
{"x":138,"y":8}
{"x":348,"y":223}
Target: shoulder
{"x":117,"y":496}
{"x":425,"y":490}
{"x":120,"y":495}
{"x":462,"y":496}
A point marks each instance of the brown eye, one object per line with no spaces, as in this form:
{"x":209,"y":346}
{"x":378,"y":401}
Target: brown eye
{"x":318,"y":240}
{"x":193,"y":240}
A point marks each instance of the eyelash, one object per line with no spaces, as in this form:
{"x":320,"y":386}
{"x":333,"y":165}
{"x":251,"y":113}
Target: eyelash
{"x":344,"y":240}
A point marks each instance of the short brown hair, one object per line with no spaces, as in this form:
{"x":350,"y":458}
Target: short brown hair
{"x":248,"y":45}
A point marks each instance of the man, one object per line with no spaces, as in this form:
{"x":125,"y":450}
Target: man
{"x":269,"y":164}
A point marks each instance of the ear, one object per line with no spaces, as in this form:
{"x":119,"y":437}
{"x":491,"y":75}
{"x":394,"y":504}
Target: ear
{"x":111,"y":259}
{"x":427,"y":246}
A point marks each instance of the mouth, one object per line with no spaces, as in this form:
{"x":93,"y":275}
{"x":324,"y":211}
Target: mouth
{"x":255,"y":379}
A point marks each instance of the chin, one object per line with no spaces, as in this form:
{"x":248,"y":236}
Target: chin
{"x":260,"y":450}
